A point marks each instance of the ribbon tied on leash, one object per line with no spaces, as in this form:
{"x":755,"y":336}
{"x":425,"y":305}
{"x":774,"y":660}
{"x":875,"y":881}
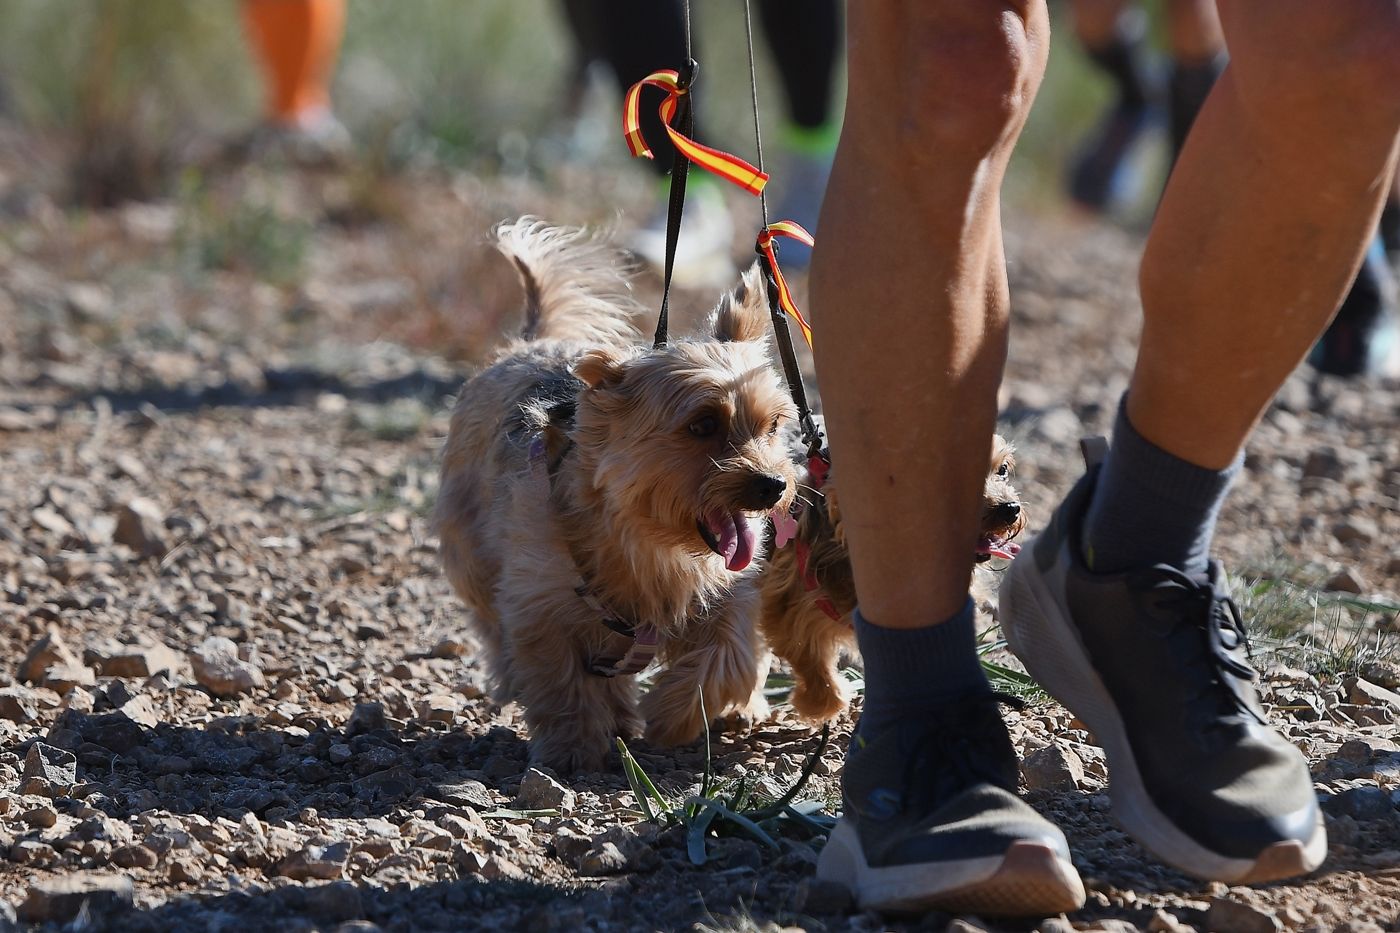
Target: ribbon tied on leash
{"x":765,"y":248}
{"x":729,"y":167}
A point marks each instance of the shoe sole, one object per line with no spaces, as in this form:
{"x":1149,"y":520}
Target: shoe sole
{"x":1029,"y":880}
{"x":1048,"y":644}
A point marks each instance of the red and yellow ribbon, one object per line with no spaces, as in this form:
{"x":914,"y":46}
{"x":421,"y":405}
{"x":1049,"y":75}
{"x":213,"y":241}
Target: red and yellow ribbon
{"x":726,"y":166}
{"x":795,"y":231}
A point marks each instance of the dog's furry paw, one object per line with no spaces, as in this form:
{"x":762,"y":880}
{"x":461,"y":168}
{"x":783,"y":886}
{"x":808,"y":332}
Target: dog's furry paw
{"x":566,"y":755}
{"x":745,"y":718}
{"x":820,"y":700}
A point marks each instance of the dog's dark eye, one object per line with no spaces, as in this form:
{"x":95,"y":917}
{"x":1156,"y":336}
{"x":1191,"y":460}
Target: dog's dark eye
{"x":1004,"y":469}
{"x":777,"y":423}
{"x":704,"y":427}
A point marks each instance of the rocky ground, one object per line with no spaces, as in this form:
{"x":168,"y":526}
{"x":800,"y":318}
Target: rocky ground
{"x":239,"y":695}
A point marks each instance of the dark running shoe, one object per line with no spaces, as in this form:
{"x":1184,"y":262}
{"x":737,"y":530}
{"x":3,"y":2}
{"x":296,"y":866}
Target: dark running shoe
{"x":932,"y":821}
{"x":1102,"y":174}
{"x":1364,"y":338}
{"x":1156,"y":664}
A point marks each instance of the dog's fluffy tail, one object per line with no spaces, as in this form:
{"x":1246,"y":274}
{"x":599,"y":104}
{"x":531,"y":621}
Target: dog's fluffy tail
{"x":575,"y":286}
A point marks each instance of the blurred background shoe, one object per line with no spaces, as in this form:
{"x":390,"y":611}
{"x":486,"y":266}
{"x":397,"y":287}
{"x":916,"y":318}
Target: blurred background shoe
{"x":1364,"y":338}
{"x":315,"y":139}
{"x":802,"y":186}
{"x":704,"y":252}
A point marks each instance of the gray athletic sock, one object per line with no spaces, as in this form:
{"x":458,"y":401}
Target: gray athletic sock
{"x":911,"y":671}
{"x":1151,"y":507}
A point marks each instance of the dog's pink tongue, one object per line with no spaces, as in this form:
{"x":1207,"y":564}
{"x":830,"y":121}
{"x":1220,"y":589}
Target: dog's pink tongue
{"x":734,"y":536}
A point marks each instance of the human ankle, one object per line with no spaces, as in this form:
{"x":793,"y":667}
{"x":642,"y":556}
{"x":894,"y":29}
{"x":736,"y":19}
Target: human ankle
{"x":910,"y":671}
{"x":1150,"y":506}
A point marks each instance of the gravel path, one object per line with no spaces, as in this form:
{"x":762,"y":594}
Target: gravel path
{"x":239,"y":695}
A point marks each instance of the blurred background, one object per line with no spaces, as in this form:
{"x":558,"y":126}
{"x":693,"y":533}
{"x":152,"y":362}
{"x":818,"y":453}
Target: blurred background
{"x":146,"y":114}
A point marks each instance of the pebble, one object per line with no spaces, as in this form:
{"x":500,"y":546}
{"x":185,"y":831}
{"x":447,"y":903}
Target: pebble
{"x":219,"y":669}
{"x":141,"y":527}
{"x":1360,"y":803}
{"x":1364,"y":693}
{"x":1054,"y":767}
{"x":539,"y":791}
{"x":1238,"y":917}
{"x":1346,"y":580}
{"x":61,"y":898}
{"x":49,"y":771}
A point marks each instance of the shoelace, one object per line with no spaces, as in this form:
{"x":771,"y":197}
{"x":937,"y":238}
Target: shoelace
{"x":955,"y":752}
{"x":1204,"y":608}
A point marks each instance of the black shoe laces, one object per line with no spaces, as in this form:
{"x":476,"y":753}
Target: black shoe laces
{"x":1198,"y":607}
{"x":962,"y":745}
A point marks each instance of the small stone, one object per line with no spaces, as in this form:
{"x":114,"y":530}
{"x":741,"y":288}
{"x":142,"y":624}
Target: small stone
{"x":1357,"y":751}
{"x":51,"y":521}
{"x":1346,"y":580}
{"x":134,"y":660}
{"x":465,"y":794}
{"x":963,"y":925}
{"x":47,"y":652}
{"x":603,"y":859}
{"x":49,"y":771}
{"x":141,"y":527}
{"x":1358,"y":529}
{"x":433,"y":837}
{"x":1053,"y":768}
{"x":1163,"y":922}
{"x":41,"y":815}
{"x":438,"y":707}
{"x":339,"y":754}
{"x":1381,"y":673}
{"x":184,"y":871}
{"x":451,"y":646}
{"x":1364,"y":693}
{"x":64,"y":677}
{"x":1360,"y":803}
{"x":134,"y":857}
{"x":1055,"y":925}
{"x":366,"y":717}
{"x":17,"y":704}
{"x":1237,"y":917}
{"x":324,"y":862}
{"x":539,"y":791}
{"x":62,"y":898}
{"x":219,"y":669}
{"x":32,"y":852}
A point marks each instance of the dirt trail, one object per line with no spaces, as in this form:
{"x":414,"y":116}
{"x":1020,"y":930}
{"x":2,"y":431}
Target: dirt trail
{"x":239,"y":695}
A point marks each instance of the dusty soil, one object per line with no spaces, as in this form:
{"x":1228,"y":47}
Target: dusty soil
{"x":239,"y":695}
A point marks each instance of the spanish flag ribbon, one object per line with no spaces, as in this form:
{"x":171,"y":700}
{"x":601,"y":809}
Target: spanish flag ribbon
{"x":793,"y":230}
{"x":726,"y":166}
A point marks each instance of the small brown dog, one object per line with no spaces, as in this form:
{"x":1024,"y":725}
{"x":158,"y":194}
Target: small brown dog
{"x":809,"y":592}
{"x":602,"y":503}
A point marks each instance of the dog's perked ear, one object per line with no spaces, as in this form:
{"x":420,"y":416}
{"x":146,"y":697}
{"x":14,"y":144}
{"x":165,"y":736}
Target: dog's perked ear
{"x":599,"y":369}
{"x":743,"y":313}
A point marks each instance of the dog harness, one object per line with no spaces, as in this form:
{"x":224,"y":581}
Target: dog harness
{"x":646,"y":640}
{"x":785,"y":528}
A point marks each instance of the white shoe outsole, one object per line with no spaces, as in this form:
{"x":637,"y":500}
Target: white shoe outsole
{"x":1029,"y":880}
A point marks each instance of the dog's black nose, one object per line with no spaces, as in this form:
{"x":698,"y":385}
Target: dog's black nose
{"x":1006,"y":512}
{"x":764,"y":490}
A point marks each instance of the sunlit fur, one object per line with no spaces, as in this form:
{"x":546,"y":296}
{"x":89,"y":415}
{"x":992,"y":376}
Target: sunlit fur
{"x":632,"y":479}
{"x":800,"y":632}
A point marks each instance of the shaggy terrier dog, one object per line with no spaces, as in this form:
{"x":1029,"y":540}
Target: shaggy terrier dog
{"x":809,"y":592}
{"x":602,"y":504}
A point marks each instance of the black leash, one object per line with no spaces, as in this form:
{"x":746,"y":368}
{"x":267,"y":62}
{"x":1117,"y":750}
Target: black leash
{"x":811,"y":434}
{"x":680,"y":167}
